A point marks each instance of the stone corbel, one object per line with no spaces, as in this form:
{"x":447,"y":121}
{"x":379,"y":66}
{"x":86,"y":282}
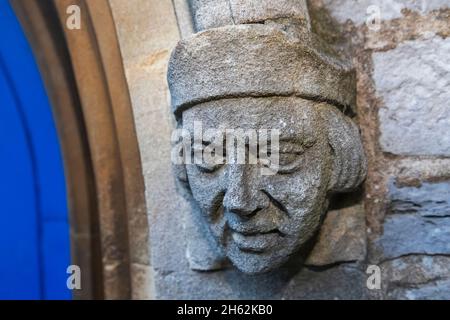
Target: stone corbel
{"x":266,"y":49}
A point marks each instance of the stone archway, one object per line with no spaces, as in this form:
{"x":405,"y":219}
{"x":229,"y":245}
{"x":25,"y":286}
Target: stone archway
{"x":83,"y":73}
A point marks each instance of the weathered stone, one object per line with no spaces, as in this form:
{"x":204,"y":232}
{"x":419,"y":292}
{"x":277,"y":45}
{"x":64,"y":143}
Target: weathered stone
{"x":184,"y":17}
{"x":148,"y":34}
{"x":245,"y":11}
{"x":259,"y":221}
{"x":144,"y":27}
{"x":416,"y":277}
{"x":255,"y":60}
{"x":438,"y":290}
{"x":254,"y":77}
{"x":202,"y":253}
{"x":428,"y":200}
{"x":419,"y":222}
{"x":413,"y":81}
{"x":345,"y":281}
{"x":406,"y":234}
{"x":142,"y":282}
{"x":342,"y":282}
{"x":211,"y":14}
{"x":415,"y":270}
{"x":218,"y":13}
{"x":147,"y":31}
{"x":358,"y":11}
{"x":411,"y":172}
{"x":342,"y":238}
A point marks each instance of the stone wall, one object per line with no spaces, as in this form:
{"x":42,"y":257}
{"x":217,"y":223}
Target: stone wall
{"x":399,"y":221}
{"x":403,"y":89}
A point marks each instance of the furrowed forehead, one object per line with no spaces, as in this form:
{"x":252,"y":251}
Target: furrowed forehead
{"x":291,"y":116}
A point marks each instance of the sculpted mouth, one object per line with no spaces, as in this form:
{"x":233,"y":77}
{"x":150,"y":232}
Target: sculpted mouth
{"x":255,"y":242}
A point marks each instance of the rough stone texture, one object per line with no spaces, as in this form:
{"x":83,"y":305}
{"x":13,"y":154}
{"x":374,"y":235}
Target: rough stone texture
{"x":147,"y":32}
{"x":256,"y":60}
{"x":417,"y":277}
{"x":342,"y":238}
{"x":261,"y":220}
{"x":419,"y":222}
{"x":413,"y":81}
{"x":184,"y":17}
{"x":211,"y":13}
{"x":144,"y":27}
{"x":142,"y":281}
{"x":414,"y":276}
{"x":437,"y":290}
{"x":412,"y":234}
{"x":413,"y":26}
{"x":345,"y":281}
{"x":356,"y":10}
{"x":218,"y":13}
{"x":412,"y":172}
{"x":428,"y":200}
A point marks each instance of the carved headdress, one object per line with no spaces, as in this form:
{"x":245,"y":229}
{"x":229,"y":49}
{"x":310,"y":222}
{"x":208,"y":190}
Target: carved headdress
{"x":258,"y":60}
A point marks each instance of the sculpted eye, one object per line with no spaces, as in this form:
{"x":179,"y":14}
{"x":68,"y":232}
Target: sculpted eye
{"x":208,"y":167}
{"x":286,"y":159}
{"x":209,"y":162}
{"x":289,"y":162}
{"x":290,"y":157}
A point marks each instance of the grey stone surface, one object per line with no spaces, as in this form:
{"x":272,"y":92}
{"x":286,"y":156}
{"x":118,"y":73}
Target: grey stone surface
{"x":211,"y":13}
{"x":218,"y":13}
{"x":147,"y":31}
{"x":342,"y":282}
{"x":256,"y":60}
{"x":416,"y":277}
{"x":260,"y":221}
{"x":345,"y":281}
{"x":406,"y":234}
{"x":413,"y":81}
{"x":184,"y":17}
{"x":409,"y":169}
{"x":428,"y":200}
{"x":275,"y":76}
{"x":438,"y":290}
{"x":356,"y":10}
{"x":342,"y":237}
{"x":418,"y":223}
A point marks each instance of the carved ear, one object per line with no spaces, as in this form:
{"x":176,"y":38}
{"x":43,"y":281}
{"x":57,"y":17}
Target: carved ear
{"x":349,"y":162}
{"x":180,"y":172}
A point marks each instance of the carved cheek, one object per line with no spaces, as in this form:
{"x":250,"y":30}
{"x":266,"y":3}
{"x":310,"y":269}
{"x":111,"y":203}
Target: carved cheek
{"x":206,"y":188}
{"x":295,"y":190}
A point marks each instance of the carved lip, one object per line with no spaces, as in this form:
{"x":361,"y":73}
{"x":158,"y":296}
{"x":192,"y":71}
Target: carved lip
{"x":255,"y":242}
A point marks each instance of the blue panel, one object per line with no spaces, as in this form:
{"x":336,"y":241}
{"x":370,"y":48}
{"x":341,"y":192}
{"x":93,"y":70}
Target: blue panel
{"x":45,"y":175}
{"x":19,"y":246}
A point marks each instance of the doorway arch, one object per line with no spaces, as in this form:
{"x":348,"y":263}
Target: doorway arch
{"x":84,"y":77}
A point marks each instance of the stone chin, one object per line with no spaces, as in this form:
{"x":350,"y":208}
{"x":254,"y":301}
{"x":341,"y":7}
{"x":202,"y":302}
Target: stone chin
{"x":254,"y":263}
{"x":257,"y":246}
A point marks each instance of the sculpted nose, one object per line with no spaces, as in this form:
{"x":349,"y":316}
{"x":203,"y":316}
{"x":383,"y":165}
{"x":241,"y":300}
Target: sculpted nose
{"x":242,"y":196}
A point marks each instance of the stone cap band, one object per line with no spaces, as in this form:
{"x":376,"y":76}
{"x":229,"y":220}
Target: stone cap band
{"x":209,"y":14}
{"x":256,"y":61}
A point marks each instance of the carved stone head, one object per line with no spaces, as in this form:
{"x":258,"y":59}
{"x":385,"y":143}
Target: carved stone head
{"x":262,"y":77}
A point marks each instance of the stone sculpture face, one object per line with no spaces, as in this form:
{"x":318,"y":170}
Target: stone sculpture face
{"x":262,"y":220}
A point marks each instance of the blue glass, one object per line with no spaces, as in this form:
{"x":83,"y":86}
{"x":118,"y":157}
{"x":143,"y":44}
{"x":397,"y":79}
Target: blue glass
{"x":34,"y":228}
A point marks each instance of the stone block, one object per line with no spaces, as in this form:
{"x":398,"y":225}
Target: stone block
{"x":413,"y":81}
{"x":218,"y":13}
{"x":428,"y":200}
{"x":357,"y":11}
{"x":342,"y":238}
